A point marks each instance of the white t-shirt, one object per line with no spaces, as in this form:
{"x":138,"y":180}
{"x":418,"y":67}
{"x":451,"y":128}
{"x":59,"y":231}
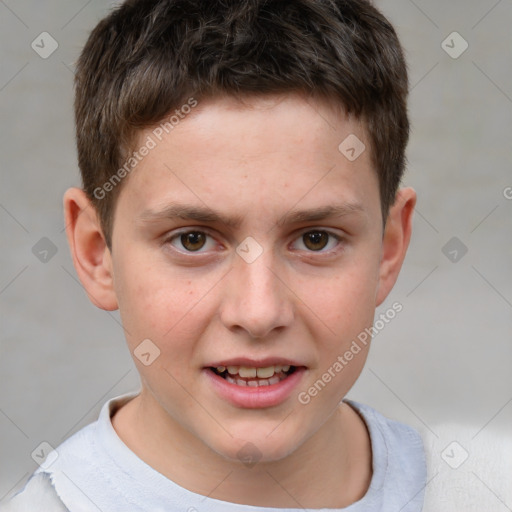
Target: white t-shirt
{"x":94,"y":471}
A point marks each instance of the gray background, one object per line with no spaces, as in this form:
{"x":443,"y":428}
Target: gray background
{"x":443,"y":365}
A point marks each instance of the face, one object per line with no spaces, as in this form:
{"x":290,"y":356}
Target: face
{"x":246,"y":247}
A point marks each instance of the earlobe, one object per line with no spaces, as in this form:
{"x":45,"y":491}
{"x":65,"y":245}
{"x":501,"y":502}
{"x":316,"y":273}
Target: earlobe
{"x":91,"y":256}
{"x":397,"y":235}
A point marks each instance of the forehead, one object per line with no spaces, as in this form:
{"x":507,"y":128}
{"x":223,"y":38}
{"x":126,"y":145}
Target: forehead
{"x":266,"y":124}
{"x":268,"y":153}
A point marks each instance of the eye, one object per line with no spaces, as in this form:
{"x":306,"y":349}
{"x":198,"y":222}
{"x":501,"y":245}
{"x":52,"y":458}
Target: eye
{"x":191,"y":241}
{"x":317,"y":240}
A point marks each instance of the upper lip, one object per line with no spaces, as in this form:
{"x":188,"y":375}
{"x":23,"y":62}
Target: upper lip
{"x":254,"y":363}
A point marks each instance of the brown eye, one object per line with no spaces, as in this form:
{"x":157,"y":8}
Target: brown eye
{"x":193,"y":241}
{"x":315,"y":240}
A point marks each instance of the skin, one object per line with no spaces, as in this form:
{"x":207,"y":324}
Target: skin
{"x":256,"y":161}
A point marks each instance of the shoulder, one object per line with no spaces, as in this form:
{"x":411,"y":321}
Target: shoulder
{"x":46,"y":489}
{"x":83,"y":458}
{"x":469,"y":466}
{"x":401,"y":442}
{"x":38,"y":494}
{"x":398,"y":461}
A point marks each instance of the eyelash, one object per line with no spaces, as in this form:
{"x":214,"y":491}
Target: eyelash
{"x":176,"y":236}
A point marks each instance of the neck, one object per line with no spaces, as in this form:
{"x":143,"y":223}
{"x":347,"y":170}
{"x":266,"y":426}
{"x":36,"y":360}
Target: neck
{"x":332,"y":469}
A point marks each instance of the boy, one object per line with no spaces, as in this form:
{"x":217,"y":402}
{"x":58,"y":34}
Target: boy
{"x":240,"y":206}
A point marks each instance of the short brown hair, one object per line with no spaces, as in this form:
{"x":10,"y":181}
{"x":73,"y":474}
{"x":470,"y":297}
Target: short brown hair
{"x":149,"y":57}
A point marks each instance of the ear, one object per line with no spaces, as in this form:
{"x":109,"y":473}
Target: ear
{"x":397,"y":234}
{"x":91,"y":256}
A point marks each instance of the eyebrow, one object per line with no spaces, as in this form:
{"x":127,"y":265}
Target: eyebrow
{"x":188,"y":212}
{"x":207,"y":215}
{"x":321,"y":213}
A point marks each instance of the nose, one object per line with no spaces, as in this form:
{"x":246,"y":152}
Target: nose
{"x":256,"y":300}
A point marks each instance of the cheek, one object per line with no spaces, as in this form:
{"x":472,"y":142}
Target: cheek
{"x":344,"y":306}
{"x":157,"y":304}
{"x":344,"y":300}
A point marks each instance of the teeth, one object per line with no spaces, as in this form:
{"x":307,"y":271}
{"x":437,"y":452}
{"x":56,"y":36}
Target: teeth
{"x":253,"y":383}
{"x":265,"y":373}
{"x":250,"y":372}
{"x":246,"y":372}
{"x":258,"y":376}
{"x":274,"y":380}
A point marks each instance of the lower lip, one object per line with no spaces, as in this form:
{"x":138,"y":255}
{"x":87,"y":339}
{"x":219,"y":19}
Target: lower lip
{"x":255,"y":397}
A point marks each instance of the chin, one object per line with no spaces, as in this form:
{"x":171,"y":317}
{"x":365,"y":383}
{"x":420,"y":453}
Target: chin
{"x":254,"y":447}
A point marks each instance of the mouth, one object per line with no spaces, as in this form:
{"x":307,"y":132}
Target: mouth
{"x":252,"y":376}
{"x":254,"y":384}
